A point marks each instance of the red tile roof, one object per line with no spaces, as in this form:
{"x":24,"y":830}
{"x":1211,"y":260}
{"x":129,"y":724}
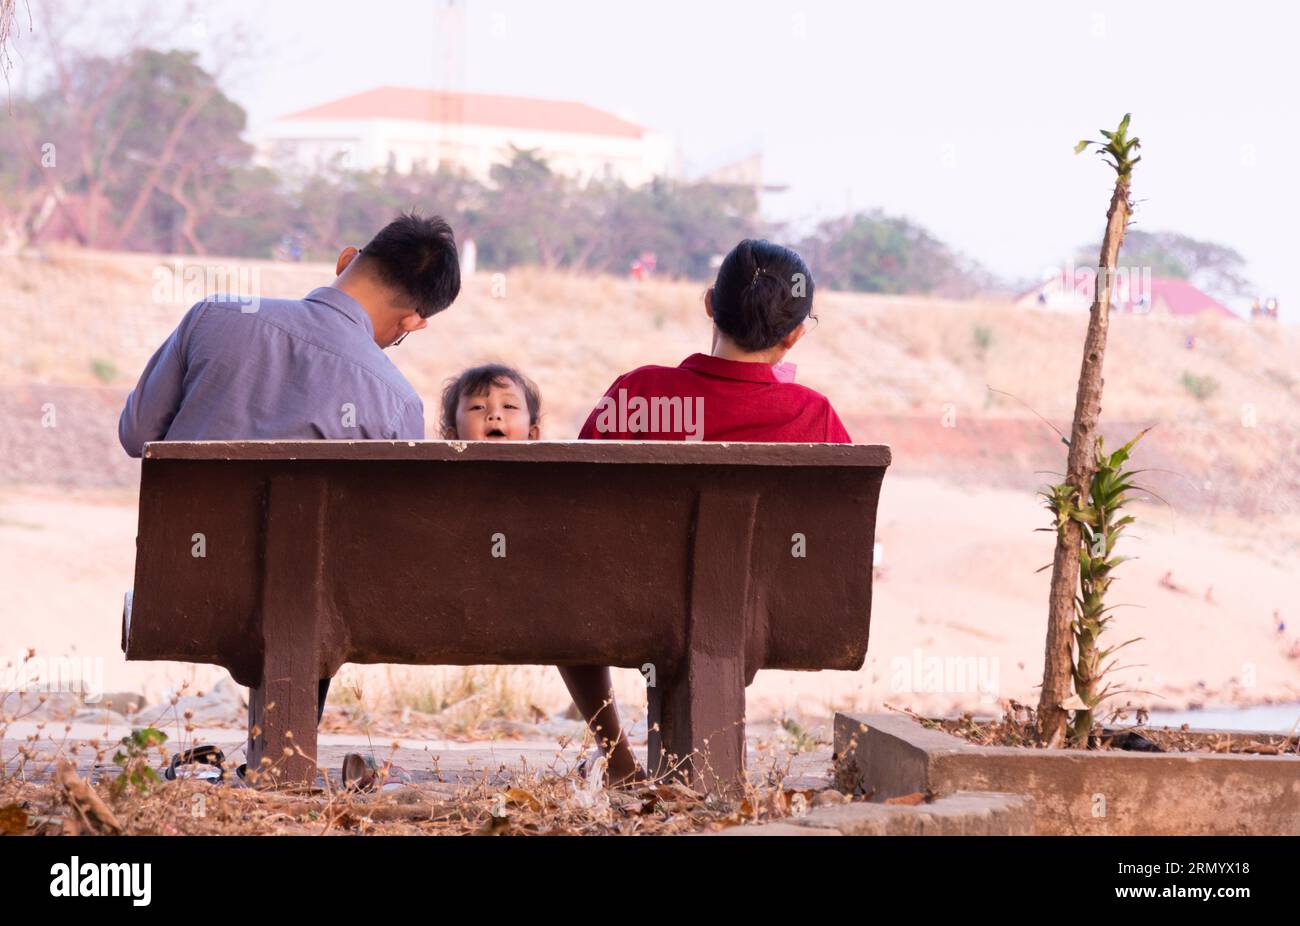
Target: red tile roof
{"x":513,"y":112}
{"x":1179,"y":296}
{"x":1182,"y":298}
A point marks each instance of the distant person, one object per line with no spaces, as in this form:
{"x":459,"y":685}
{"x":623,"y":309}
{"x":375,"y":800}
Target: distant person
{"x":741,"y":390}
{"x":310,"y":368}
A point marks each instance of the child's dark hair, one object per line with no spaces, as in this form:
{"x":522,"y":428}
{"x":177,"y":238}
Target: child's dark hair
{"x":416,"y":258}
{"x":477,"y":381}
{"x":763,"y":292}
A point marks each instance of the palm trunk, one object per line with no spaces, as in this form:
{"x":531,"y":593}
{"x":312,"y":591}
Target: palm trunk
{"x":1057,"y":657}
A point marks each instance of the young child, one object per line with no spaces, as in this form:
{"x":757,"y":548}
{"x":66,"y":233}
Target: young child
{"x":742,"y":390}
{"x":491,"y":402}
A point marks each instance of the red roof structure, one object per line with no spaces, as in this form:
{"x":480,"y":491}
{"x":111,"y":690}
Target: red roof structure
{"x":1181,"y":298}
{"x":440,"y":106}
{"x":1134,"y":294}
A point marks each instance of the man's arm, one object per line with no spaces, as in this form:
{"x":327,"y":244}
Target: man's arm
{"x":410,"y":421}
{"x":156,"y":398}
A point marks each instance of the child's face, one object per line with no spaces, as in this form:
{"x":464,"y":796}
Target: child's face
{"x":501,"y":414}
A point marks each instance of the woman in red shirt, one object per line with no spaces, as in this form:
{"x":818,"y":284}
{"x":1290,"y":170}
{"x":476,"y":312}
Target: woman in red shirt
{"x":742,"y":390}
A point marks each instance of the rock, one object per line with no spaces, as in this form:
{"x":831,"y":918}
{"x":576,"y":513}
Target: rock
{"x":27,"y":705}
{"x":225,"y":702}
{"x":98,"y":715}
{"x":829,"y":797}
{"x":123,"y":702}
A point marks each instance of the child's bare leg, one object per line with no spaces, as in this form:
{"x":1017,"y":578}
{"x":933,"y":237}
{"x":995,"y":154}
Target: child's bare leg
{"x":592,"y":691}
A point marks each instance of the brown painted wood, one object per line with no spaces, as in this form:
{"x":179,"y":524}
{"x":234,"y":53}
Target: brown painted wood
{"x":697,"y":714}
{"x":599,"y":451}
{"x":617,"y":554}
{"x":282,"y":705}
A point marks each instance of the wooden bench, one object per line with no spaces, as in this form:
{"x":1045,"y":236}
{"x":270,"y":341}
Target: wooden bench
{"x":677,"y":559}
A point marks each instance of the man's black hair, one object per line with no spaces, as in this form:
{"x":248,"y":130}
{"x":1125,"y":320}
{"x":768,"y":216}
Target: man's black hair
{"x":478,"y":381}
{"x":416,"y":258}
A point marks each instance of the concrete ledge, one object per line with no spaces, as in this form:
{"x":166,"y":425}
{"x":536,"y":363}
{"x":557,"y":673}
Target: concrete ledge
{"x":964,"y":814}
{"x":775,"y":829}
{"x":1076,"y":791}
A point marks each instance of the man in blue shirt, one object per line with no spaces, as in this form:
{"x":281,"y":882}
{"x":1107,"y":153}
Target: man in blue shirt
{"x":302,"y":368}
{"x":311,"y":368}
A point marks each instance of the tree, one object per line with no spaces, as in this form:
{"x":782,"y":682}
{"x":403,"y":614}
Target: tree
{"x":8,"y":28}
{"x":1082,"y":460}
{"x":1215,"y":268}
{"x":877,"y":253}
{"x":524,"y":216}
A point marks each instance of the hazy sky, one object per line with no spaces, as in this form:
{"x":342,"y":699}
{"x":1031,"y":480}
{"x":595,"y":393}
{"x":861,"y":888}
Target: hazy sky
{"x":960,"y":115}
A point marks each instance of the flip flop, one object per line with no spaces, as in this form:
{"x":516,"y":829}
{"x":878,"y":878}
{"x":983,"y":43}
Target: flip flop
{"x":206,"y":763}
{"x":587,"y":762}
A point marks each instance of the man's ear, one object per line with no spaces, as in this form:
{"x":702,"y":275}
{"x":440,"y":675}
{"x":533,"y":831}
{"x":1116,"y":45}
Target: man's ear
{"x":412,"y":322}
{"x":346,"y":256}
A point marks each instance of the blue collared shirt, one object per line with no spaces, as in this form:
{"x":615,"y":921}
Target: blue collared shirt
{"x":290,"y":369}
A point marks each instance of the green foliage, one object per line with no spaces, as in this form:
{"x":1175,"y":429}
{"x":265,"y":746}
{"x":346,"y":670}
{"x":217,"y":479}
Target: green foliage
{"x":1215,"y":268}
{"x":105,"y":370}
{"x":133,"y":759}
{"x":1118,"y":147}
{"x":134,"y":183}
{"x":1101,"y":524}
{"x":877,"y":253}
{"x":802,"y":740}
{"x":983,"y":335}
{"x":1201,"y":387}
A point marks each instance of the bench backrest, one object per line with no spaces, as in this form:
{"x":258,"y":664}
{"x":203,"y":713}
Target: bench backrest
{"x":508,"y":553}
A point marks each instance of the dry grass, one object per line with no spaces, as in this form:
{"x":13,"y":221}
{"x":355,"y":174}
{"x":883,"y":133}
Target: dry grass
{"x":1018,"y":727}
{"x":41,"y":792}
{"x":573,"y":334}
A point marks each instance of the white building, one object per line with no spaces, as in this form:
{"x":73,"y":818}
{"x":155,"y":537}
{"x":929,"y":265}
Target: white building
{"x":408,"y":127}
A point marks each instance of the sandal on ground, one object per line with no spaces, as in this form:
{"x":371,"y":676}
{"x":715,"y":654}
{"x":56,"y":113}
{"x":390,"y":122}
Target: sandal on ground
{"x":205,"y":763}
{"x":588,"y":762}
{"x":363,"y":773}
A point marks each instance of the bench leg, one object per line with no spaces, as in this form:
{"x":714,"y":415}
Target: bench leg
{"x":282,"y":721}
{"x":697,"y":724}
{"x":697,"y":714}
{"x":282,"y":707}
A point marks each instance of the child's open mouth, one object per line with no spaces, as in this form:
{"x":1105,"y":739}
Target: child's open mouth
{"x":495,"y":433}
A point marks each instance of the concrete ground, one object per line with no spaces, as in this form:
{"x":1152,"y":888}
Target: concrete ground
{"x":426,"y":761}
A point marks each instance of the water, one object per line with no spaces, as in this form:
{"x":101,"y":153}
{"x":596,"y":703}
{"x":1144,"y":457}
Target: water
{"x":1265,"y":718}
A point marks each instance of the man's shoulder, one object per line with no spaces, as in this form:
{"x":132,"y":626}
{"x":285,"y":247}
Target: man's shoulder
{"x":253,"y":306}
{"x":325,"y":331}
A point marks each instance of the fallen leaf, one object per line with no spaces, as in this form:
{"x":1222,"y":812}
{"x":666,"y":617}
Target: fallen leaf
{"x":13,"y":821}
{"x":916,"y":797}
{"x":521,"y":798}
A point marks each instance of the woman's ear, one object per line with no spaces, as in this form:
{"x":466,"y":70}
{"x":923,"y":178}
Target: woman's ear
{"x":708,"y":302}
{"x":791,"y":339}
